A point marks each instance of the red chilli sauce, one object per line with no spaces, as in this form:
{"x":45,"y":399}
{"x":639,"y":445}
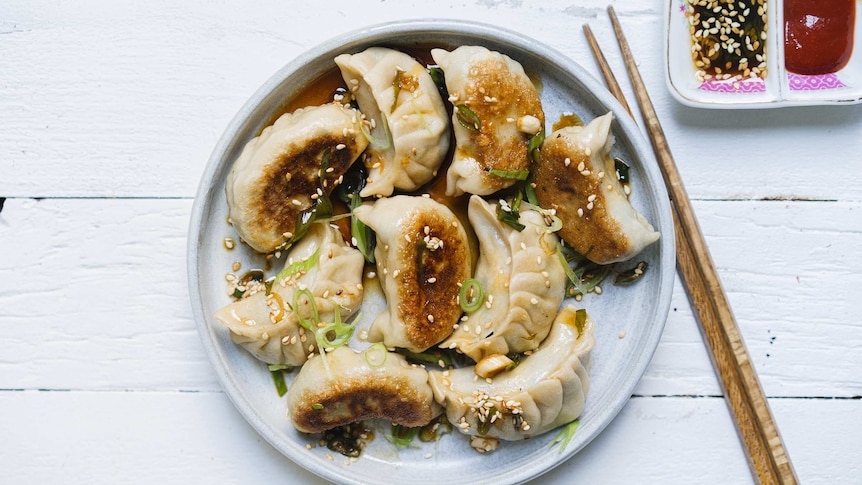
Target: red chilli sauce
{"x":818,"y":35}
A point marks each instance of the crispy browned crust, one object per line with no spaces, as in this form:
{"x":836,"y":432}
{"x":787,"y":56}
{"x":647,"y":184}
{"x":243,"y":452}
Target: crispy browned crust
{"x":492,"y":79}
{"x":595,"y":234}
{"x":430,"y":287}
{"x":271,"y":204}
{"x":391,"y":398}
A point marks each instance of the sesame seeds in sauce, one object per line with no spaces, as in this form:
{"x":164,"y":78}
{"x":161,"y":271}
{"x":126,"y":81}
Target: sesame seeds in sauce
{"x":728,"y":38}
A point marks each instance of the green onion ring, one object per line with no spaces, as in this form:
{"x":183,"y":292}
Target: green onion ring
{"x":467,"y":304}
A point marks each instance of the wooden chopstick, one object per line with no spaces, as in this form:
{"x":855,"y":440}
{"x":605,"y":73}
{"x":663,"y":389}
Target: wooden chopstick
{"x":765,"y":450}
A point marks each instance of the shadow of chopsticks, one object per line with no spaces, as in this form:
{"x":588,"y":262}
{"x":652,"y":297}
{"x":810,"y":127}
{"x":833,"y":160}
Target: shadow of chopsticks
{"x":764,"y":448}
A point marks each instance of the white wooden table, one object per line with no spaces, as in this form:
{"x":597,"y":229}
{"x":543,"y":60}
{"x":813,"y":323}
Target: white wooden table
{"x":108,"y":113}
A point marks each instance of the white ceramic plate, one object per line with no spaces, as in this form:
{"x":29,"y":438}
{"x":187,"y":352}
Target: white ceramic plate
{"x":617,"y":363}
{"x":781,"y":88}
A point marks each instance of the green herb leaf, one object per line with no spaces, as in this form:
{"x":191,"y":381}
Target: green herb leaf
{"x":565,"y":435}
{"x":278,"y":379}
{"x":439,"y":79}
{"x":435,"y":357}
{"x":467,"y":118}
{"x":623,"y":170}
{"x":471,"y":295}
{"x":511,"y":174}
{"x":512,"y":215}
{"x":630,"y":276}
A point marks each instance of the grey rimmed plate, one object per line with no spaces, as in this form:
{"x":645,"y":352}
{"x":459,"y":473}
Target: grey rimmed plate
{"x":616,"y":363}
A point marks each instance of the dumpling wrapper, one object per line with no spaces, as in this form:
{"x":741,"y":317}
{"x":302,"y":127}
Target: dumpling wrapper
{"x":422,"y":257}
{"x":413,"y":111}
{"x":577,"y":177}
{"x":498,"y":91}
{"x":335,"y":281}
{"x":523,"y":281}
{"x":351,"y":386}
{"x":277,"y":175}
{"x":546,"y":390}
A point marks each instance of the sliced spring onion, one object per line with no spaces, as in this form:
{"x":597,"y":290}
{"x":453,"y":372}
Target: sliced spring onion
{"x":341,"y":332}
{"x":380,"y":144}
{"x":585,"y":277}
{"x":511,"y":174}
{"x":309,"y":324}
{"x":534,"y":148}
{"x":396,"y":86}
{"x":471,"y":295}
{"x":317,"y":406}
{"x":298,"y":267}
{"x":237,"y":293}
{"x":484,"y":424}
{"x":275,"y":367}
{"x":574,"y":278}
{"x":630,"y":276}
{"x":516,"y":361}
{"x":530,"y":192}
{"x":580,"y":320}
{"x":554,"y":223}
{"x":278,"y":379}
{"x":435,"y":430}
{"x":565,"y":435}
{"x":375,"y":356}
{"x":365,"y":237}
{"x":402,"y":436}
{"x":467,"y":118}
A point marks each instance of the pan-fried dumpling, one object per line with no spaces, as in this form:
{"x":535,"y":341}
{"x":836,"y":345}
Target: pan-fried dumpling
{"x":277,"y":176}
{"x":547,"y":389}
{"x":523,"y":282}
{"x":350,"y":386}
{"x":497,"y":111}
{"x":422,"y":257}
{"x":320,"y":263}
{"x":577,"y":177}
{"x":396,"y":92}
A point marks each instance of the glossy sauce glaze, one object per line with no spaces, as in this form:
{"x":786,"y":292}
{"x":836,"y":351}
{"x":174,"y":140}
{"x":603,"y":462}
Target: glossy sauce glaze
{"x":818,"y":35}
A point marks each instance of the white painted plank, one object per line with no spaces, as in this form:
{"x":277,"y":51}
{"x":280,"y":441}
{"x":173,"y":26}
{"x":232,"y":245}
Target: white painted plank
{"x":94,"y":297}
{"x":147,"y":437}
{"x":115,"y":99}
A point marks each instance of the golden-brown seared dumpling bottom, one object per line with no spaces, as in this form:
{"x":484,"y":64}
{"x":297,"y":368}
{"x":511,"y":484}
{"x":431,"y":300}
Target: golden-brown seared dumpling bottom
{"x":278,"y":174}
{"x":352,"y":386}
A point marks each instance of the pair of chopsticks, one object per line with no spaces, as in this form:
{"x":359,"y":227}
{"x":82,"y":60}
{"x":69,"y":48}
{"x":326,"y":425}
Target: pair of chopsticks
{"x":764,"y":448}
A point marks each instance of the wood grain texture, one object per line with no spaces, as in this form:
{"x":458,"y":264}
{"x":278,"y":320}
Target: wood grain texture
{"x":755,"y":424}
{"x":133,"y":93}
{"x":153,"y":437}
